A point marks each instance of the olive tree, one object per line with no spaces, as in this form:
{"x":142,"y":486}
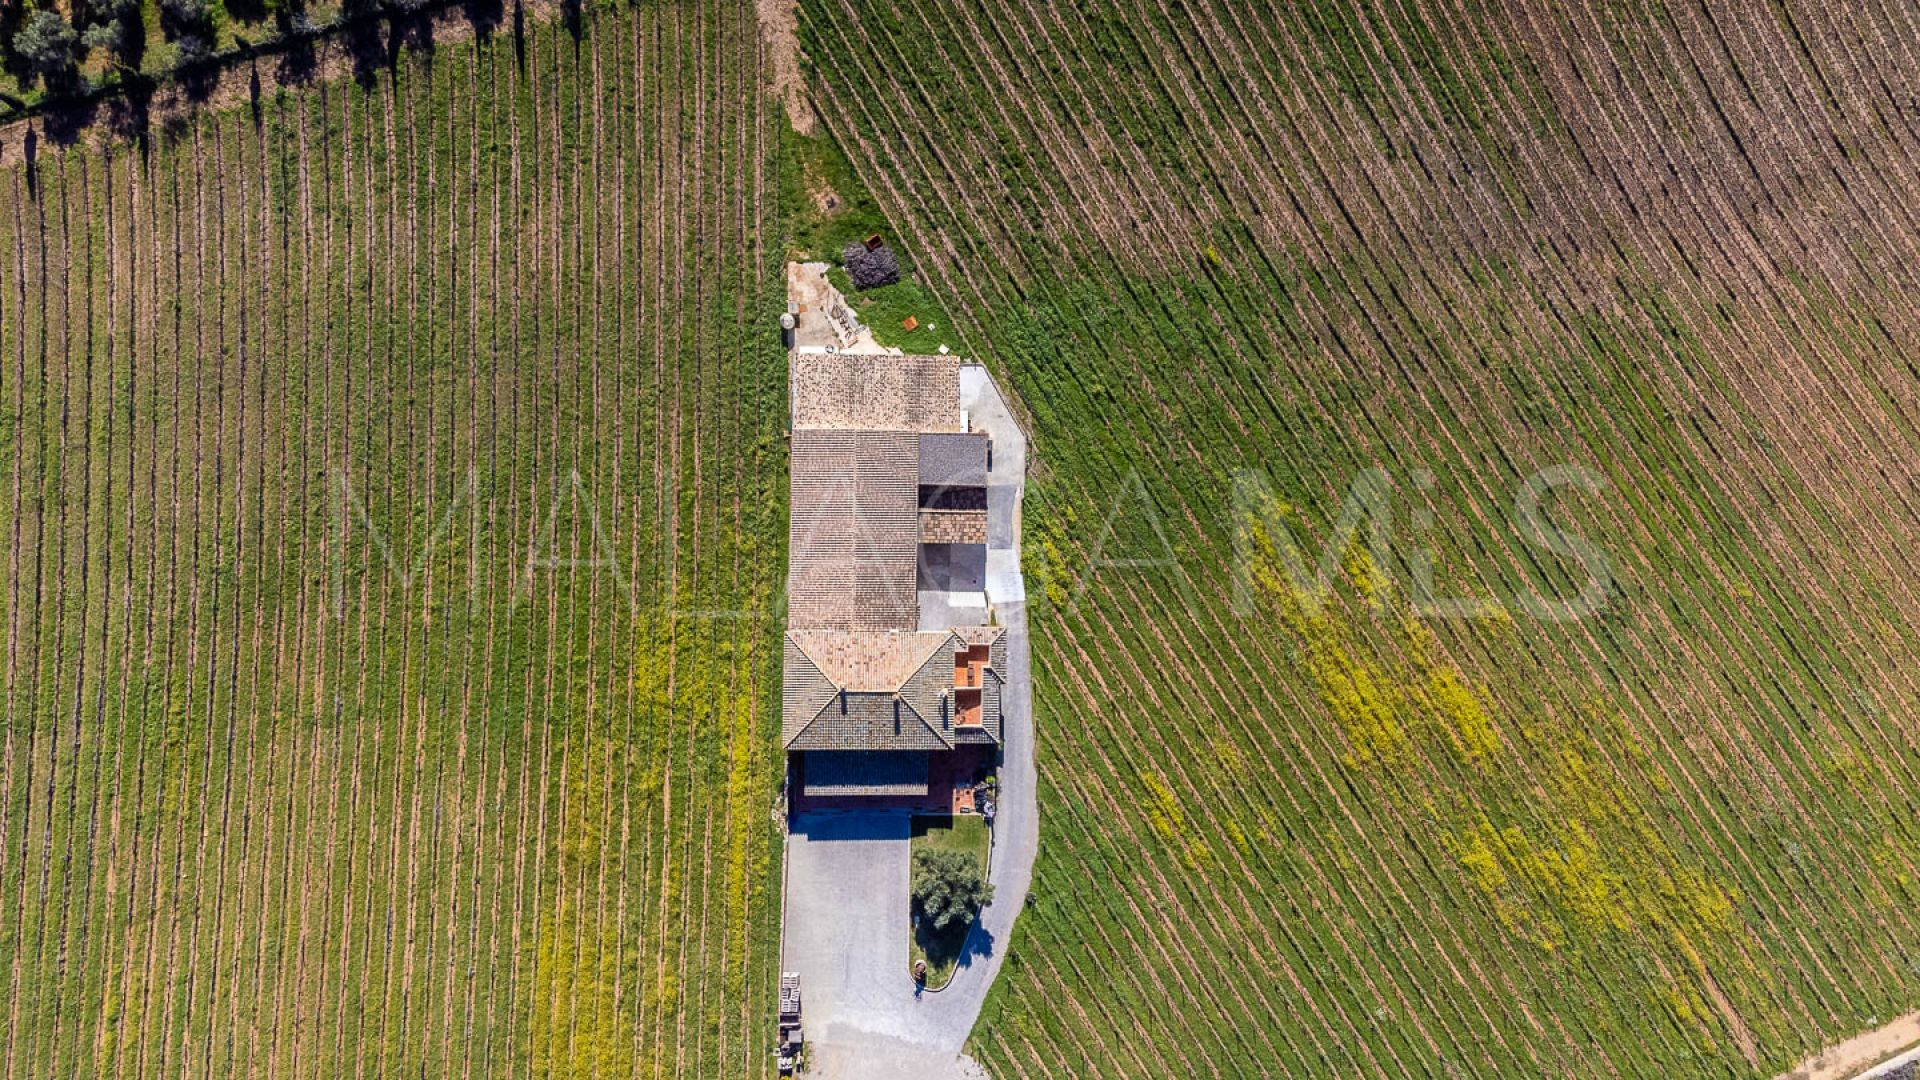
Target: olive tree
{"x":949,"y":886}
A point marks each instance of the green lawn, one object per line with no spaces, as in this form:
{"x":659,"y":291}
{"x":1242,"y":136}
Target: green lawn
{"x":962,"y":833}
{"x":887,"y":308}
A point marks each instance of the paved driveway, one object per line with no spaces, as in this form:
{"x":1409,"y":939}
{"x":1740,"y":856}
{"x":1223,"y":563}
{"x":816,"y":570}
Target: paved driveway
{"x":847,"y":920}
{"x":846,"y":933}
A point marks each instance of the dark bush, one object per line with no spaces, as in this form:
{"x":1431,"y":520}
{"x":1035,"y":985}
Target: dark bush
{"x":187,"y":18}
{"x":871,"y":269}
{"x":104,"y":35}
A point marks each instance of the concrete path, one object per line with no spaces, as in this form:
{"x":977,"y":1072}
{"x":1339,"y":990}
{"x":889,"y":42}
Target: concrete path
{"x":847,"y":873}
{"x":1868,"y":1056}
{"x":807,"y":286}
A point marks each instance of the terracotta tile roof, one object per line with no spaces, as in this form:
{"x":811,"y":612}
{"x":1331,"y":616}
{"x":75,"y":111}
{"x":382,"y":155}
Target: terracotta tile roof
{"x":854,"y":721}
{"x":805,"y":692}
{"x":875,"y":392}
{"x":854,"y":531}
{"x":867,"y":661}
{"x":953,"y":526}
{"x":859,"y":674}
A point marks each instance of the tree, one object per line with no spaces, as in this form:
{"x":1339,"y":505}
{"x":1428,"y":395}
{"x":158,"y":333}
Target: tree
{"x":104,"y":35}
{"x":119,"y":32}
{"x":949,"y":886}
{"x":45,"y":43}
{"x":191,"y":24}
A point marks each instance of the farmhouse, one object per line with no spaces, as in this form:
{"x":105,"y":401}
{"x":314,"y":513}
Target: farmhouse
{"x":893,"y":674}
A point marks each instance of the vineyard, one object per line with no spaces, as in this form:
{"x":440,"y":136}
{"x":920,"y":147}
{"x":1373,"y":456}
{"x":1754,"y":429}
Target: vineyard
{"x":1241,"y":260}
{"x":393,"y":486}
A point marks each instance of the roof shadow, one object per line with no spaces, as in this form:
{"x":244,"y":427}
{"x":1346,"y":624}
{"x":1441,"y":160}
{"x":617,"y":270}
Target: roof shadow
{"x":818,"y":825}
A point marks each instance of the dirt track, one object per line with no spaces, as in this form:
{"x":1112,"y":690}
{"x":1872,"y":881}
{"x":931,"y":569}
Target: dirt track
{"x":1860,"y":1053}
{"x":780,"y":30}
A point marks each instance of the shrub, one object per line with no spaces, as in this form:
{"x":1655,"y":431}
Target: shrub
{"x":871,"y":269}
{"x":949,"y":886}
{"x":190,"y":24}
{"x":188,"y":18}
{"x":193,"y":47}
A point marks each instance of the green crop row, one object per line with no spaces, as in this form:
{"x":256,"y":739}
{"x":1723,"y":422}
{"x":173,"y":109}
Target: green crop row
{"x":1219,"y":248}
{"x":395,"y":481}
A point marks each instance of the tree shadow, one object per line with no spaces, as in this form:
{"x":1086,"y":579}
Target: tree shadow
{"x":366,"y":50}
{"x":64,"y":124}
{"x":520,"y":36}
{"x":176,"y":125}
{"x":31,"y":149}
{"x":484,"y":16}
{"x":978,"y":946}
{"x":410,"y":30}
{"x":198,"y":80}
{"x":298,"y":63}
{"x":129,"y":114}
{"x":12,"y":16}
{"x":253,"y":94}
{"x":133,"y":49}
{"x":954,"y":950}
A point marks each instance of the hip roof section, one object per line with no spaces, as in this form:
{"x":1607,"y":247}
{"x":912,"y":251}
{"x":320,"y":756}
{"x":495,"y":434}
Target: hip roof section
{"x":878,"y":691}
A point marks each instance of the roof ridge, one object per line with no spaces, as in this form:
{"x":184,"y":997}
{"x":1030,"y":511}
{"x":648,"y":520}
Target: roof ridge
{"x":814,"y":719}
{"x":903,"y":700}
{"x":921,"y":658}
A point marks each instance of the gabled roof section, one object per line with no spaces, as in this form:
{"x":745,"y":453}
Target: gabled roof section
{"x":875,"y":392}
{"x":854,"y":531}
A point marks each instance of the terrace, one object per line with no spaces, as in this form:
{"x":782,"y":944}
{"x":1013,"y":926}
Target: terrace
{"x":969,"y":672}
